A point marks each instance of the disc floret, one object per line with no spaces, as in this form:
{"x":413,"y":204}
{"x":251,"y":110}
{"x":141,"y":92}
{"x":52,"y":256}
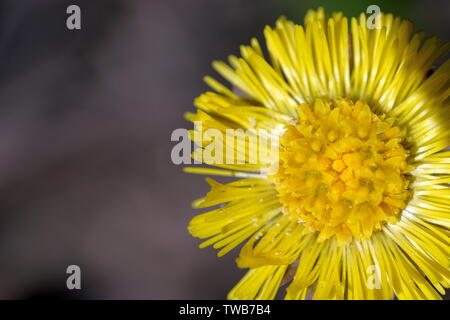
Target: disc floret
{"x":342,"y":169}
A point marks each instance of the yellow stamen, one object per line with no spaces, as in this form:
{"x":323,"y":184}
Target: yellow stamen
{"x":342,"y":170}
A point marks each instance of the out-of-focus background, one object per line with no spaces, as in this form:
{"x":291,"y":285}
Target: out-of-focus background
{"x":85,"y":124}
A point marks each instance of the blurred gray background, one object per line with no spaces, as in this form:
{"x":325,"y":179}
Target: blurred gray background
{"x":85,"y":124}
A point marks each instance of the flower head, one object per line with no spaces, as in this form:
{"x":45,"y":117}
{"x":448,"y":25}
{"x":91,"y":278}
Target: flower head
{"x":359,"y":204}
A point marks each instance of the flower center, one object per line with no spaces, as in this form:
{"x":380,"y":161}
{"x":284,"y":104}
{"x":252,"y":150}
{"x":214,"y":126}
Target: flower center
{"x":342,"y":170}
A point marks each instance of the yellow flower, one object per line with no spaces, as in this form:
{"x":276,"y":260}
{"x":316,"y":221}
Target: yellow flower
{"x":359,"y":206}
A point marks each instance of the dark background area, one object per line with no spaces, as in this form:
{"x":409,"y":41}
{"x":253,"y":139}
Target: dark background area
{"x":85,"y":124}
